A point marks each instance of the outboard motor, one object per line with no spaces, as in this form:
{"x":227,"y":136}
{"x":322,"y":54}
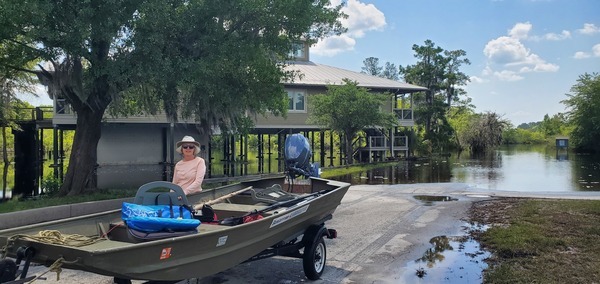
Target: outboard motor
{"x":297,"y":156}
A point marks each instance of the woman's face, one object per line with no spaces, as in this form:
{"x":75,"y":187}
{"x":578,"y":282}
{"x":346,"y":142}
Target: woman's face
{"x":187,"y":149}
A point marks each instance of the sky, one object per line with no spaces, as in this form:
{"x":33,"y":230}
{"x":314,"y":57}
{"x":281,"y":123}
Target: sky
{"x":525,"y":54}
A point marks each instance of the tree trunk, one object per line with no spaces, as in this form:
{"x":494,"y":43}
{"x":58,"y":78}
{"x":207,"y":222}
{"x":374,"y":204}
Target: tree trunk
{"x":429,"y":102}
{"x":5,"y":160}
{"x":81,"y":173}
{"x":349,"y":149}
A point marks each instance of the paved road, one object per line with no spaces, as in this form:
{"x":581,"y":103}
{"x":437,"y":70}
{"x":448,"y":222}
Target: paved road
{"x":381,"y":228}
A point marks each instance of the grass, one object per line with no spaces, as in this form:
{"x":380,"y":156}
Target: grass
{"x":542,"y":241}
{"x":46,"y":201}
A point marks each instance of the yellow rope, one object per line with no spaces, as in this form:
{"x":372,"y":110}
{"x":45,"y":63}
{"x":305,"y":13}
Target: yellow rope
{"x":57,"y":238}
{"x":55,"y":267}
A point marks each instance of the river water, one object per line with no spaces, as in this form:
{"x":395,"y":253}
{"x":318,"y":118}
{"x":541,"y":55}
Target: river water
{"x":522,"y":168}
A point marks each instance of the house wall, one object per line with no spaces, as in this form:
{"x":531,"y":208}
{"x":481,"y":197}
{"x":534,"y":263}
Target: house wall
{"x":295,"y":119}
{"x":130,"y":155}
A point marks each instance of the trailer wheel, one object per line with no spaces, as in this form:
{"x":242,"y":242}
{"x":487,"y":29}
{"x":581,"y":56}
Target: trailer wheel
{"x":314,"y":258}
{"x":8,"y":270}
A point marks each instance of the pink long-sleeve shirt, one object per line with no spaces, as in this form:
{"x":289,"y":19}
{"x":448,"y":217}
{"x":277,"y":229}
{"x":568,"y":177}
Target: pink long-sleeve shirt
{"x":190,"y":174}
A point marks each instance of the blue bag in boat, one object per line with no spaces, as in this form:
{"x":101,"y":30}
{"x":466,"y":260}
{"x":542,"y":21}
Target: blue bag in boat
{"x":158,"y":218}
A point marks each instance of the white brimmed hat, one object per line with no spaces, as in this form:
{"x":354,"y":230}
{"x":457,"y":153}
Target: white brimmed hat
{"x":188,"y":140}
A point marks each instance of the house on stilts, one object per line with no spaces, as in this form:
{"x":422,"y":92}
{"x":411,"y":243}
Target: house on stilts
{"x":137,"y":149}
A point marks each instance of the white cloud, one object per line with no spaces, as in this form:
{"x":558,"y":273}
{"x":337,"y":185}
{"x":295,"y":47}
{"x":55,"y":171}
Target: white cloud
{"x":507,"y":75}
{"x":589,"y":29}
{"x":333,"y":45}
{"x":362,"y":18}
{"x":563,"y":35}
{"x":581,"y":55}
{"x":477,"y":80}
{"x":596,"y":50}
{"x":511,"y":57}
{"x":520,"y":30}
{"x":505,"y":50}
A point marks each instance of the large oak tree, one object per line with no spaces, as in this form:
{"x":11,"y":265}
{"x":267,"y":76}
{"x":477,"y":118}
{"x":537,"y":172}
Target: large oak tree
{"x":213,"y":61}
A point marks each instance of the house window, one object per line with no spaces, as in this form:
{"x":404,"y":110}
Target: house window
{"x":296,"y":100}
{"x":298,"y":52}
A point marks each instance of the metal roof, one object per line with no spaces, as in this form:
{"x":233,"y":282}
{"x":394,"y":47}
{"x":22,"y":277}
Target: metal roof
{"x":314,"y":74}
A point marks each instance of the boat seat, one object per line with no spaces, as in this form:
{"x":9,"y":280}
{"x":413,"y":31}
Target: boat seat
{"x":160,"y":193}
{"x":155,"y":193}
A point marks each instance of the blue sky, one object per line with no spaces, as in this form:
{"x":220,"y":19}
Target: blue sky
{"x":525,"y":54}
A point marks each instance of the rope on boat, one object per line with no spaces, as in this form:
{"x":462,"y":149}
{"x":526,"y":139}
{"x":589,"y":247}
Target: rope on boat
{"x":55,"y":267}
{"x":57,"y":238}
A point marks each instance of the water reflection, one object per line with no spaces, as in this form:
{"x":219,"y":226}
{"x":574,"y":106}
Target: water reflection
{"x":449,"y":260}
{"x":515,"y":168}
{"x":429,"y":200}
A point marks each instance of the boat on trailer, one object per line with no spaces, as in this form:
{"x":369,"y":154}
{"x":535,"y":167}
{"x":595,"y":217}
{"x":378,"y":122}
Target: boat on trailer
{"x":294,"y":226}
{"x":255,"y":219}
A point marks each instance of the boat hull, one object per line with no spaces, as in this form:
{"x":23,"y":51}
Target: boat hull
{"x":213,"y":249}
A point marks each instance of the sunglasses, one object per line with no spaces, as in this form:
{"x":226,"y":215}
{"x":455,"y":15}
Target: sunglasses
{"x":188,"y":146}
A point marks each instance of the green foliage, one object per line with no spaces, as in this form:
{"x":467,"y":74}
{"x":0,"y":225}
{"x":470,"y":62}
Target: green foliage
{"x":584,"y":114}
{"x":522,"y":136}
{"x":483,"y":132}
{"x":460,"y":119}
{"x":212,"y":62}
{"x":51,"y":185}
{"x":540,"y":132}
{"x":371,"y":67}
{"x":439,"y":71}
{"x":529,"y":125}
{"x":347,"y":109}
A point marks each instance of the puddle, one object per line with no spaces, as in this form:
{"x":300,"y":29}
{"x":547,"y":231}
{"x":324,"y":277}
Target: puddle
{"x":451,"y":259}
{"x":428,"y":200}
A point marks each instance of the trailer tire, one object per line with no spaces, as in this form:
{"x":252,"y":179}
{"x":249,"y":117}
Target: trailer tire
{"x":313,"y":261}
{"x":8,"y":270}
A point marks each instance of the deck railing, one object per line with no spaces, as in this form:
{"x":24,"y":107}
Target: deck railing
{"x":381,"y":142}
{"x":404,"y":113}
{"x":34,"y":113}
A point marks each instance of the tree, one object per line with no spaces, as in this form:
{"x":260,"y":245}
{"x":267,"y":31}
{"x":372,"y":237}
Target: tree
{"x":438,"y":71}
{"x":347,"y":109}
{"x":484,"y":132}
{"x":460,"y":119}
{"x":371,"y":67}
{"x":554,"y":125}
{"x":584,"y":114}
{"x":209,"y":61}
{"x":390,"y":71}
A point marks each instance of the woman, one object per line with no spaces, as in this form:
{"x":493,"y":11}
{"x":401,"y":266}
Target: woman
{"x":189,"y":172}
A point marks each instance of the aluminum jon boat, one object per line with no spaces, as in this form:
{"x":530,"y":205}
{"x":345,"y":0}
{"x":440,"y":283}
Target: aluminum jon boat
{"x":254,"y":220}
{"x":292,"y":223}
